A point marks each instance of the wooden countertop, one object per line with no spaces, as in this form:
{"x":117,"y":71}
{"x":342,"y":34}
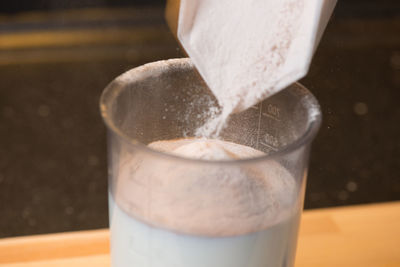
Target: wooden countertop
{"x":365,"y":236}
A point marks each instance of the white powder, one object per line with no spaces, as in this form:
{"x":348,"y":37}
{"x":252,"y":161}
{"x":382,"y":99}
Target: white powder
{"x":240,"y":49}
{"x":212,"y":199}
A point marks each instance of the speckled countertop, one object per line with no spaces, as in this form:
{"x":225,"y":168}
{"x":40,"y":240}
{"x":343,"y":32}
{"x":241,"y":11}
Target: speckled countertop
{"x":53,"y":143}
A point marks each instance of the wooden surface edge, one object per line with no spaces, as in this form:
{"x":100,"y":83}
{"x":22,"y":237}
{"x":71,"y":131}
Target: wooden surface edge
{"x":97,"y":260}
{"x":54,"y":246}
{"x":361,"y":235}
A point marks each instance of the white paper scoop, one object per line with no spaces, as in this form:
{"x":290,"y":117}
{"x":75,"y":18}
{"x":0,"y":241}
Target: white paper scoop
{"x":260,"y":46}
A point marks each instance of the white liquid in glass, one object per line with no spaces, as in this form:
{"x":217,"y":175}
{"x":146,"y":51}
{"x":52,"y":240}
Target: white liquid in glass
{"x":136,"y":244}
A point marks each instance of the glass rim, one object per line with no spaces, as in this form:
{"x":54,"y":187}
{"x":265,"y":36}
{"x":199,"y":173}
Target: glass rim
{"x":111,"y":92}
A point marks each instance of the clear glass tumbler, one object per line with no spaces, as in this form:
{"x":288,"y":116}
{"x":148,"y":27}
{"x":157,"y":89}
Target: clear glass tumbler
{"x":250,"y":219}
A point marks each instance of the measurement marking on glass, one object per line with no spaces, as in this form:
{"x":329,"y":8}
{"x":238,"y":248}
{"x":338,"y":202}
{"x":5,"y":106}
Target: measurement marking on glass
{"x":271,"y":140}
{"x":259,"y":124}
{"x":269,"y":146}
{"x":270,"y":116}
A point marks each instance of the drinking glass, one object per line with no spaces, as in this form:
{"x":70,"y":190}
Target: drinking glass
{"x":171,"y":211}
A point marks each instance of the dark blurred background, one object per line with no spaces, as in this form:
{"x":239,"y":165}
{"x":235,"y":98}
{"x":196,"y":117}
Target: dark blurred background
{"x":57,"y":56}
